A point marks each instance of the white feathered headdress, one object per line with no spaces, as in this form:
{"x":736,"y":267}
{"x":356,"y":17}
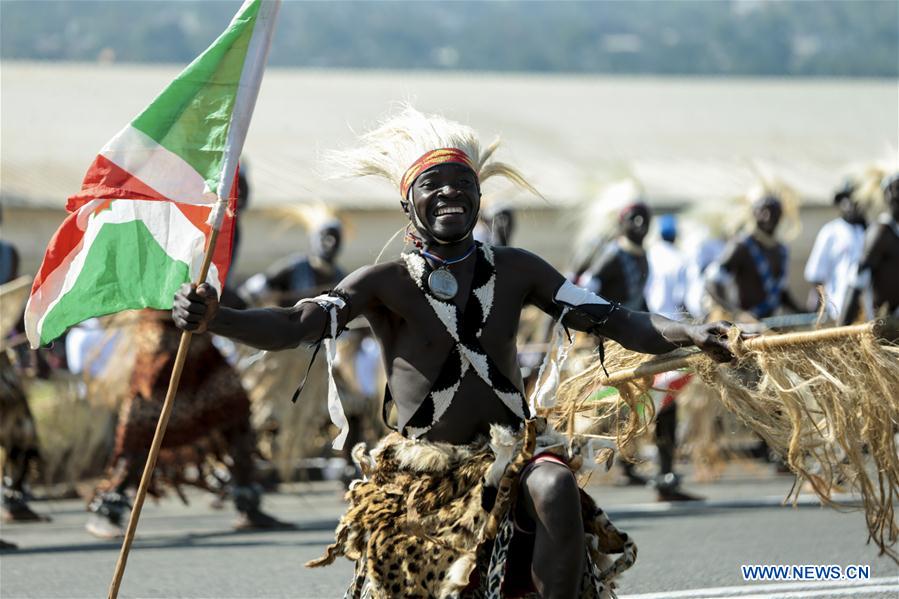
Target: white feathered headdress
{"x":403,"y":139}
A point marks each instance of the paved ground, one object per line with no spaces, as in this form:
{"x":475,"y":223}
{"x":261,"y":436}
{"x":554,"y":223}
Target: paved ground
{"x":686,"y":551}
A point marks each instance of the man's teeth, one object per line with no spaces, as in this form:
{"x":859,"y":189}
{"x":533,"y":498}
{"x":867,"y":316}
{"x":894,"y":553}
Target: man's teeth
{"x":450,"y":210}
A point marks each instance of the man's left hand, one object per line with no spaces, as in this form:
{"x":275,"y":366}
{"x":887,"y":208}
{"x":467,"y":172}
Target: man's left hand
{"x":712,"y":339}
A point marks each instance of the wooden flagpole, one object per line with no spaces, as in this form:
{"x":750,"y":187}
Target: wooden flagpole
{"x":246,"y":94}
{"x":878,"y":328}
{"x":180,"y":358}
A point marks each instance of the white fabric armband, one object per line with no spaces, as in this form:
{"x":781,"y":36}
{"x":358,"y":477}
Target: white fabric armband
{"x":327,"y":301}
{"x":572,"y":296}
{"x":568,"y":296}
{"x":332,"y":304}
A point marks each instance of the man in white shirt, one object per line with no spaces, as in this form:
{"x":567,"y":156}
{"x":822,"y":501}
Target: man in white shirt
{"x":837,"y":251}
{"x":667,"y":282}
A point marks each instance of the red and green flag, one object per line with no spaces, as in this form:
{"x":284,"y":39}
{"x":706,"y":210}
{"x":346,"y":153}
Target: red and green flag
{"x":138,"y":228}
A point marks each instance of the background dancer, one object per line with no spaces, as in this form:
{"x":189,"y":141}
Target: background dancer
{"x":880,"y":259}
{"x":751,"y":274}
{"x":293,"y":432}
{"x":18,"y":437}
{"x":620,"y":274}
{"x":835,"y":256}
{"x":621,"y":271}
{"x":209,"y":422}
{"x":301,"y":275}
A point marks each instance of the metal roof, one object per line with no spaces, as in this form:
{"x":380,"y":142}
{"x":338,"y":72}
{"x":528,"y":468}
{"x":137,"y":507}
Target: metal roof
{"x":684,"y":139}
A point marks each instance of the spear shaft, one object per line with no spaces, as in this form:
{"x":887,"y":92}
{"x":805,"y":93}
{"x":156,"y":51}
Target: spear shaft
{"x":878,"y":328}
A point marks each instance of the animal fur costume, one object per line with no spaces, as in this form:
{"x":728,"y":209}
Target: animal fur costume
{"x":18,"y":441}
{"x":211,"y":418}
{"x":436,"y":520}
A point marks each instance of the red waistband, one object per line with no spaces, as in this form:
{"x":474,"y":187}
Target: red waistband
{"x":547,"y":456}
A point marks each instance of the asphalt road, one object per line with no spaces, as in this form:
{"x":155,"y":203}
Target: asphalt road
{"x":685,"y":551}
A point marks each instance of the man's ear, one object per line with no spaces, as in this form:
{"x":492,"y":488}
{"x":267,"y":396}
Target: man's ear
{"x":404,"y":204}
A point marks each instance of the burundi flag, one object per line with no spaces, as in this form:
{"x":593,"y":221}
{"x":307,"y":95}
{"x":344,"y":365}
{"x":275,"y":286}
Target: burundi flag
{"x":150,"y":201}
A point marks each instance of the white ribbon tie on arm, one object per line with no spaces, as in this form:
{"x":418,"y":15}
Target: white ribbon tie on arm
{"x":568,"y":296}
{"x":335,"y":407}
{"x":331,"y":305}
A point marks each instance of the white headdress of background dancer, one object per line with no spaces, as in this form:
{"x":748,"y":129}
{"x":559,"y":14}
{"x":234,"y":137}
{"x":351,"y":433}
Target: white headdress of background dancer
{"x":597,"y":219}
{"x":314,"y":217}
{"x":790,"y":225}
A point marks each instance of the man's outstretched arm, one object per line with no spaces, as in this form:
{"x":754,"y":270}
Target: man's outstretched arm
{"x":638,"y":331}
{"x":197,"y":310}
{"x":645,"y":332}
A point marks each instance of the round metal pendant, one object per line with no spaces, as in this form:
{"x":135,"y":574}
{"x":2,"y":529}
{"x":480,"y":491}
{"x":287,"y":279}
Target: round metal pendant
{"x":443,"y":284}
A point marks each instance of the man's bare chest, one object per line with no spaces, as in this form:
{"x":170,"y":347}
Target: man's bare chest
{"x":422,"y":332}
{"x":413,"y":324}
{"x":437,"y":348}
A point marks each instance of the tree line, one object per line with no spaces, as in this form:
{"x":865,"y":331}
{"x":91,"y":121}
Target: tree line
{"x":844,"y":38}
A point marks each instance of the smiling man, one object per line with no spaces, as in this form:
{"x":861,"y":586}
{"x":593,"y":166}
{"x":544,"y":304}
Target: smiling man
{"x":471,"y":495}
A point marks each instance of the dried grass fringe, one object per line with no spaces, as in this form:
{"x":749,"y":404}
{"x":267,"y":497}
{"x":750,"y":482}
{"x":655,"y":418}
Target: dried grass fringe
{"x":830,"y":409}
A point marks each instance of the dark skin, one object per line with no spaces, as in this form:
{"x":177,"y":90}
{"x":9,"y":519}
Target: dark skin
{"x":635,"y":223}
{"x":609,"y":270}
{"x":326,"y":244}
{"x":415,"y":344}
{"x":737,"y":260}
{"x":850,"y":211}
{"x":880,"y":257}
